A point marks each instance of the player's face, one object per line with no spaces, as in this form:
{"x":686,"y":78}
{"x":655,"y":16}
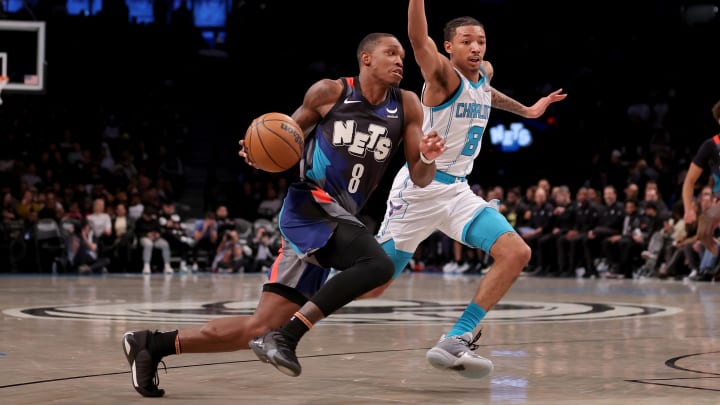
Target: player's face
{"x":387,"y":60}
{"x":467,"y":48}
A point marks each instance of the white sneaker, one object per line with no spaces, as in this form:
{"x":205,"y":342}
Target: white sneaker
{"x":195,"y":268}
{"x":168,"y":269}
{"x":450,"y":267}
{"x":184,"y":267}
{"x":146,"y":269}
{"x":457,"y":353}
{"x":462,"y":268}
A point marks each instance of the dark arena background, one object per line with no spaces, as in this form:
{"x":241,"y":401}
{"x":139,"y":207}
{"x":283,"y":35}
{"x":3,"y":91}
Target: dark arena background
{"x":120,"y":108}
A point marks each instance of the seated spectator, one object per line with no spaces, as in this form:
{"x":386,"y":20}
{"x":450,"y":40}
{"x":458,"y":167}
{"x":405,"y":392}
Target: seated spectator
{"x":26,"y":205}
{"x":147,"y":229}
{"x":51,"y":208}
{"x":205,"y":235}
{"x":136,"y":207}
{"x":270,"y":205}
{"x":172,"y":231}
{"x":265,"y":252}
{"x":232,"y":255}
{"x":101,"y":225}
{"x":9,"y":204}
{"x":83,"y":251}
{"x":74,"y":212}
{"x":224,"y":223}
{"x":123,"y":234}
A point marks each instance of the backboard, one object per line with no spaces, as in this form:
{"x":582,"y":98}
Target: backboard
{"x":22,"y":55}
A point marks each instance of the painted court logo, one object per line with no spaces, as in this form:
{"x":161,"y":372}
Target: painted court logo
{"x":369,"y":312}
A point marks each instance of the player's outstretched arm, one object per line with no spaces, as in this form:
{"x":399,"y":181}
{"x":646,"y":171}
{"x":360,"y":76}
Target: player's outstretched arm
{"x":434,"y":66}
{"x":420,"y":149}
{"x":504,"y":102}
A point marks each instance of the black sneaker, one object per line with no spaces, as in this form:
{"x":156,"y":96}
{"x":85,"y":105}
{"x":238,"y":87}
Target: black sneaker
{"x":278,"y":349}
{"x":142,"y":364}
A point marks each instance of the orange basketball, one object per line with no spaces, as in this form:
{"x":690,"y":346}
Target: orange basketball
{"x":274,"y":142}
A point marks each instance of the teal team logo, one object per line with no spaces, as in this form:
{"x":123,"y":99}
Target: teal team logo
{"x":369,"y":312}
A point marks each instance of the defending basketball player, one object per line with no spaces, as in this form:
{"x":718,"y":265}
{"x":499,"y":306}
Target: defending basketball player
{"x":457,"y":98}
{"x":353,"y":126}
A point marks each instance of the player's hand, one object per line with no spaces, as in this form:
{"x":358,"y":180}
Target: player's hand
{"x":542,"y":104}
{"x":707,"y":224}
{"x":432,"y":145}
{"x":690,"y":216}
{"x":244,"y":154}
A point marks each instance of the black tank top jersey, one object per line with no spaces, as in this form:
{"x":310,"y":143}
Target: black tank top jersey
{"x":349,"y":150}
{"x":708,"y":158}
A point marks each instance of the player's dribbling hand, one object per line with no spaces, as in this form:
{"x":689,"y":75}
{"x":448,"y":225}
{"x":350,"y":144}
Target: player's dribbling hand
{"x":244,"y":154}
{"x":432,"y":145}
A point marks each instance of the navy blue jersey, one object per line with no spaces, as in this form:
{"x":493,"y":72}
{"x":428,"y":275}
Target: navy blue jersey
{"x":345,"y":156}
{"x":350,"y":148}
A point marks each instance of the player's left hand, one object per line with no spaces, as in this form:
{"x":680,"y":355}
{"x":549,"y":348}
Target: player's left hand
{"x":707,"y":224}
{"x":432,"y":145}
{"x":542,"y":104}
{"x":244,"y":154}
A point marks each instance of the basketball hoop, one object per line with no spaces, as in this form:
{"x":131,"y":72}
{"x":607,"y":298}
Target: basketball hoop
{"x":3,"y":82}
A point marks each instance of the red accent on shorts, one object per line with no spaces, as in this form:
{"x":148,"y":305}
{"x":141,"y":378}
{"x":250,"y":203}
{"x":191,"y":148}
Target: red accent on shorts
{"x":321,"y":195}
{"x":276,"y":264}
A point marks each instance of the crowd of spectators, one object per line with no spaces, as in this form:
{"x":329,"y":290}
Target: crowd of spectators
{"x":631,"y":232}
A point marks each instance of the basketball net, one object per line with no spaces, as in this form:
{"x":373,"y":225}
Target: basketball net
{"x":3,"y":82}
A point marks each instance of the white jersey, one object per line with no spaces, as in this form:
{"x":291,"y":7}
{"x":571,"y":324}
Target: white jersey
{"x":469,"y":108}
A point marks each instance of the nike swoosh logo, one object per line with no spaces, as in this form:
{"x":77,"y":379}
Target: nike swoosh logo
{"x":348,"y":101}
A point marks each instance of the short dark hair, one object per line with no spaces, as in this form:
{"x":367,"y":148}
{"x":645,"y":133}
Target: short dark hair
{"x":716,"y":111}
{"x":452,"y":25}
{"x":369,"y":43}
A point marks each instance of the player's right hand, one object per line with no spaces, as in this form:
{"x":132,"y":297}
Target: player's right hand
{"x":244,"y":154}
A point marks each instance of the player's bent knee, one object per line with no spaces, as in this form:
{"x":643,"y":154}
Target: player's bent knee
{"x":378,"y":271}
{"x":511,"y":248}
{"x":385,"y":269}
{"x":399,"y":258}
{"x":376,"y":292}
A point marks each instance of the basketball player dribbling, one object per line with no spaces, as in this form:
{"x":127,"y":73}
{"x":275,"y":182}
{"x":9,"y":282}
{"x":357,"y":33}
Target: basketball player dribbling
{"x":353,"y":126}
{"x":457,"y":98}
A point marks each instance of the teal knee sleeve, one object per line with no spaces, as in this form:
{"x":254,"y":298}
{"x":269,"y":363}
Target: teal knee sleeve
{"x":399,"y":258}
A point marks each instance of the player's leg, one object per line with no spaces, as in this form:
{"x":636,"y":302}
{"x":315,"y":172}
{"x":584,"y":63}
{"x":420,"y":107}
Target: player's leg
{"x":411,"y":216}
{"x":363,"y":266}
{"x":145,"y":349}
{"x":490,"y":231}
{"x":400,"y":259}
{"x":509,"y":251}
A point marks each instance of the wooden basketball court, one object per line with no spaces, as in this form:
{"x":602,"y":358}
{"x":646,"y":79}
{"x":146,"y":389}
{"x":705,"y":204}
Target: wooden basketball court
{"x":553,"y":341}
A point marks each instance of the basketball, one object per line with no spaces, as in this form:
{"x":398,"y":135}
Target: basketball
{"x":274,"y":142}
